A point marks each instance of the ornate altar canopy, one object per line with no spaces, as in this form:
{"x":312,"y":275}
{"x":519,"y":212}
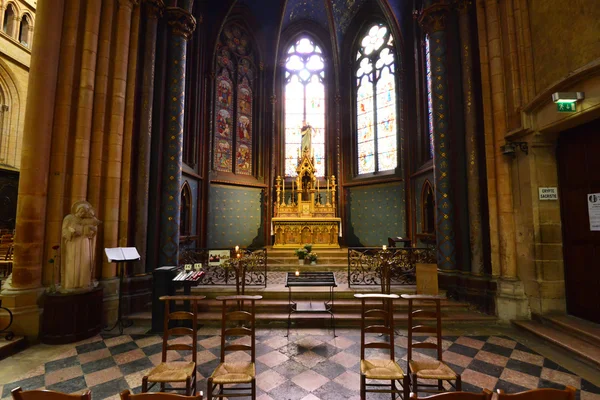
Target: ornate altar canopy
{"x":308,"y":214}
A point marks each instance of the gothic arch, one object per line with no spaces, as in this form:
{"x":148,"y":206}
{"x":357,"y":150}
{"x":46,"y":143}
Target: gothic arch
{"x":427,"y":203}
{"x":185,"y":210}
{"x":10,"y":106}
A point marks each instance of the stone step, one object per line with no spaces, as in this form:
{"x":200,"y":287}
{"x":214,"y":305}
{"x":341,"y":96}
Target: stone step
{"x":343,"y":318}
{"x":13,"y":346}
{"x":574,"y":346}
{"x":573,"y":326}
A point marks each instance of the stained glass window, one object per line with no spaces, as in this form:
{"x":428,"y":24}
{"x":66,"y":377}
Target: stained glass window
{"x":429,"y":97}
{"x":376,"y":128}
{"x":304,"y":102}
{"x":232,"y":145}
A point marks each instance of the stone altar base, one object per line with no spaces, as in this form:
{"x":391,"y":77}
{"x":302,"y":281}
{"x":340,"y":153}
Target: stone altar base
{"x":291,"y":233}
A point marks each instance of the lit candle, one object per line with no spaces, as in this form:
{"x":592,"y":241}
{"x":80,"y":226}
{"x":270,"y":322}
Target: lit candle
{"x":239,"y":255}
{"x":237,"y":248}
{"x":384,"y":247}
{"x":283,"y":191}
{"x":297,"y":273}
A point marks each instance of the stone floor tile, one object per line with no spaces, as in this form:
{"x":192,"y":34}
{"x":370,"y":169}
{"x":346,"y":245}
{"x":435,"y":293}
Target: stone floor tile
{"x":269,"y":380}
{"x":273,"y":358}
{"x":309,"y":380}
{"x":561,"y":377}
{"x":129,"y":356}
{"x":520,"y":378}
{"x":345,"y":359}
{"x":350,"y":380}
{"x":105,"y":375}
{"x":309,"y":359}
{"x":479,"y":379}
{"x":63,"y":374}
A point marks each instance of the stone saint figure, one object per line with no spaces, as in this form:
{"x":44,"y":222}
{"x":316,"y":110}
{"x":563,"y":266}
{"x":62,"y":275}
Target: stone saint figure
{"x":79,"y":243}
{"x":307,"y":132}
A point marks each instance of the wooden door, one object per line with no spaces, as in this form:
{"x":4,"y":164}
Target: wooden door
{"x":578,"y":157}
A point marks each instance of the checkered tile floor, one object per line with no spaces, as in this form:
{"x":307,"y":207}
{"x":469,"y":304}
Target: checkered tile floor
{"x":310,"y":365}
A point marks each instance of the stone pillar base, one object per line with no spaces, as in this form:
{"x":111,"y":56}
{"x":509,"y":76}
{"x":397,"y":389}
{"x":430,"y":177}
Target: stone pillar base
{"x":111,"y":300}
{"x":546,"y":297}
{"x":479,"y":291}
{"x":511,"y":301}
{"x":26,"y":308}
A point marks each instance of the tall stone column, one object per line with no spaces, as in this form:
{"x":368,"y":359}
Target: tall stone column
{"x":433,"y":19}
{"x":112,"y":193}
{"x":511,"y":301}
{"x":153,"y":10}
{"x":181,"y":24}
{"x":20,"y":293}
{"x":471,"y":139}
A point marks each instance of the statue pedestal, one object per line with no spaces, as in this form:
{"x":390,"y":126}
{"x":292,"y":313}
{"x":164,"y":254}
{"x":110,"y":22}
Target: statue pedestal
{"x":70,"y":317}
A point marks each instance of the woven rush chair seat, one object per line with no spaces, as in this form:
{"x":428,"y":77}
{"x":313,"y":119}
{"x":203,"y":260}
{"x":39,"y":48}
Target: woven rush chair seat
{"x":381,"y":369}
{"x":177,"y":371}
{"x":234,"y":373}
{"x":432,"y":369}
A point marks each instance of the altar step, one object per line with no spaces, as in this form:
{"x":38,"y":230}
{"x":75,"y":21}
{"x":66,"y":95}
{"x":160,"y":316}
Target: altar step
{"x":274,"y":309}
{"x":329,"y":259}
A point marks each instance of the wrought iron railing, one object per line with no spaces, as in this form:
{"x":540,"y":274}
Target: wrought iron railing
{"x":255,"y":262}
{"x":364,"y":264}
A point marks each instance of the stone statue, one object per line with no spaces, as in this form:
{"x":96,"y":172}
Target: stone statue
{"x":307,"y":132}
{"x":79,"y":244}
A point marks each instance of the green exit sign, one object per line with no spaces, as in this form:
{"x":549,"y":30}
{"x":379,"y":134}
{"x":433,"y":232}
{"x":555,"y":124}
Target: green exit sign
{"x":566,"y":107}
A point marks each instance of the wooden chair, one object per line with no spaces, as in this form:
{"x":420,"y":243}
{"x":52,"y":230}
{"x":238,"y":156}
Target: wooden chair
{"x":6,"y":260}
{"x":540,"y":394}
{"x":126,"y":395}
{"x":235,"y":373}
{"x":430,"y":369}
{"x":380,"y":369}
{"x":19,"y":394}
{"x":177,"y":371}
{"x":485,"y":395}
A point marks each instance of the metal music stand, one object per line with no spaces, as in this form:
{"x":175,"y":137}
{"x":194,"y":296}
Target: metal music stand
{"x":121,"y":255}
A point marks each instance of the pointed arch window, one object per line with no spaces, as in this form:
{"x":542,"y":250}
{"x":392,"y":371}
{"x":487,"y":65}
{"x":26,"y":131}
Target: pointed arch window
{"x":185,"y":211}
{"x":24,"y":34}
{"x":427,"y":209}
{"x":9,"y":20}
{"x":376,"y":102}
{"x":234,"y":102}
{"x":304,"y":102}
{"x":428,"y":86}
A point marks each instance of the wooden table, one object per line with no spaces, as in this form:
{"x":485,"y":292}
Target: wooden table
{"x":311,"y":279}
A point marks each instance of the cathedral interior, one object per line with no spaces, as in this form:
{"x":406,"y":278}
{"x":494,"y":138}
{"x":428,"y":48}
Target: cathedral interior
{"x":219,"y":143}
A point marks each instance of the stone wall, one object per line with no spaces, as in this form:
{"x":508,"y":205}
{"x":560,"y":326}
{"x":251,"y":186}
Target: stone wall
{"x":565,"y":36}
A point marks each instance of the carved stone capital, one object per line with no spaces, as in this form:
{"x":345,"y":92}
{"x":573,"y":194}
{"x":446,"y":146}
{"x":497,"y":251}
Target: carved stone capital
{"x":128,"y":3}
{"x":338,"y":98}
{"x":154,"y":8}
{"x":181,"y":22}
{"x":433,"y":18}
{"x":463,"y":5}
{"x":273,"y":99}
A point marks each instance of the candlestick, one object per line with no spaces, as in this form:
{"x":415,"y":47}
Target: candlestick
{"x":384,"y":247}
{"x":292,"y":192}
{"x":283,"y":191}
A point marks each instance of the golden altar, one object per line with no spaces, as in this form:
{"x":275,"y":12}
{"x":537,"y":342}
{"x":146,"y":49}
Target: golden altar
{"x":307,"y":215}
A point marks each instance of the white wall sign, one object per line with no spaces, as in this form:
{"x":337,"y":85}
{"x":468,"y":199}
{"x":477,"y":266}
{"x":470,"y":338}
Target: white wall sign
{"x":548,"y":193}
{"x":594,"y":211}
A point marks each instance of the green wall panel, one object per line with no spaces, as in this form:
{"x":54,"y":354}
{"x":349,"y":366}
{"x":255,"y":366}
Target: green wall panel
{"x":375,"y":213}
{"x":234,"y":217}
